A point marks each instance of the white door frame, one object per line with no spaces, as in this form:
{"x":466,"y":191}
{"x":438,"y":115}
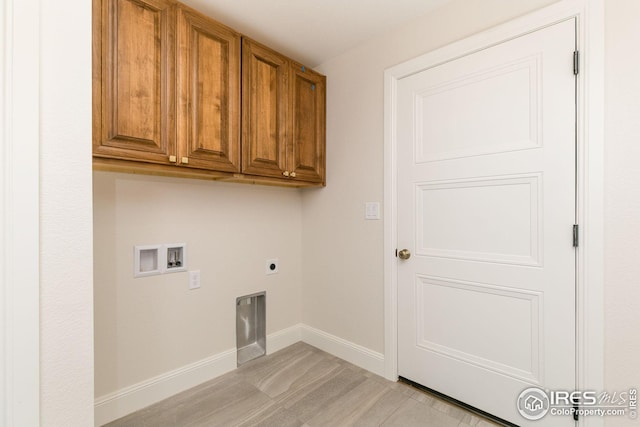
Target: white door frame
{"x":19,"y":213}
{"x":590,"y":169}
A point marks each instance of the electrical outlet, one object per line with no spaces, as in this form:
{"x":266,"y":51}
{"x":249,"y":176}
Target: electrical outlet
{"x":272,"y":266}
{"x":194,"y":279}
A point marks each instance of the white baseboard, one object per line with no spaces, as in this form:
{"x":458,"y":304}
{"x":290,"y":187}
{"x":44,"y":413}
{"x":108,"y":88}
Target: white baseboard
{"x":135,"y":397}
{"x":353,"y":353}
{"x":283,"y":338}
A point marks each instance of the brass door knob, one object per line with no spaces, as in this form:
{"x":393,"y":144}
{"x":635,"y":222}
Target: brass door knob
{"x":404,"y":254}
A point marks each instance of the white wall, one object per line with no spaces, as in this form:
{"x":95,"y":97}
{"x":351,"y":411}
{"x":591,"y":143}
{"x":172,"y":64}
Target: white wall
{"x":343,"y":259}
{"x":66,"y":292}
{"x":622,"y":199}
{"x":19,"y":213}
{"x":148,"y":326}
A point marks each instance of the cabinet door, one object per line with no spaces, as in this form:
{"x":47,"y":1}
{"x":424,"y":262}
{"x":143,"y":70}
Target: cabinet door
{"x":308,"y":98}
{"x":208,"y":105}
{"x":133,"y":79}
{"x":265,"y":102}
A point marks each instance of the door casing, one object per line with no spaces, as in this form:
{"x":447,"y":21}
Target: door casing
{"x":590,"y":177}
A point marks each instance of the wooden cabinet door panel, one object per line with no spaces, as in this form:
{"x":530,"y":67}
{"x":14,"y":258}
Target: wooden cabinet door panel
{"x":307,"y":154}
{"x":135,"y":78}
{"x":264,"y":110}
{"x":167,"y":90}
{"x":209,"y":93}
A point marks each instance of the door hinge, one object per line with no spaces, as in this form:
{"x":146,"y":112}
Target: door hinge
{"x":576,"y":413}
{"x":575,"y":235}
{"x":576,"y":62}
{"x":396,"y":252}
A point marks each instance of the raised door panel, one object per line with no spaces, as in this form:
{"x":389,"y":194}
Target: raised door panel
{"x":264,"y":110}
{"x":208,"y":94}
{"x":133,"y":80}
{"x":307,"y":154}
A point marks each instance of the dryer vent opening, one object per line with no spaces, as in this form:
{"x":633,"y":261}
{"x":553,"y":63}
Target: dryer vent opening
{"x":251,"y":327}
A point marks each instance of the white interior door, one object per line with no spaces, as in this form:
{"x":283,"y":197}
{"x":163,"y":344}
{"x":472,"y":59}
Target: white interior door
{"x":486,"y":205}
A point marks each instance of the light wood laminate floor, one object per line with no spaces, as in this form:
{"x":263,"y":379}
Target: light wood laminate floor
{"x":301,"y":386}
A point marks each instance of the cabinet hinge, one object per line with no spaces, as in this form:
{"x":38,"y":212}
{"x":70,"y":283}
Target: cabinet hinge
{"x":576,"y":62}
{"x":575,"y":235}
{"x":396,"y":252}
{"x":576,"y":414}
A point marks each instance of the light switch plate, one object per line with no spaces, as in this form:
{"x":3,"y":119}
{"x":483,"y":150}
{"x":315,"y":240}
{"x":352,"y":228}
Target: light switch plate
{"x":372,"y":210}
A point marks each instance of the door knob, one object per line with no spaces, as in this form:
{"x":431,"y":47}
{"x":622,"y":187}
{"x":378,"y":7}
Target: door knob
{"x":404,"y":254}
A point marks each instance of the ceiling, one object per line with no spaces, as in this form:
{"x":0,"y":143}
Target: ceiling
{"x":313,"y":31}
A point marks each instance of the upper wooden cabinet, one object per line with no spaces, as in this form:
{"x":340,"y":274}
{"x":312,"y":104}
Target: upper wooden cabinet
{"x":283,"y":116}
{"x":133,"y":79}
{"x":265,"y":110}
{"x":208,"y":112}
{"x":177,"y":93}
{"x":308,"y":100}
